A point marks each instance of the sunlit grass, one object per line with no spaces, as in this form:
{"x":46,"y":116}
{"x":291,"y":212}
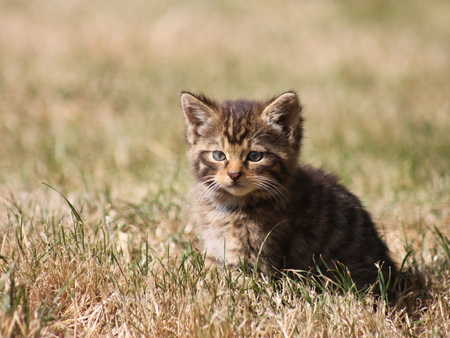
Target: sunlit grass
{"x":100,"y":277}
{"x":89,"y":105}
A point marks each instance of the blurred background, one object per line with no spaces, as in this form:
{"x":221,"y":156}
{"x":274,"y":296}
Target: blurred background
{"x":89,"y":92}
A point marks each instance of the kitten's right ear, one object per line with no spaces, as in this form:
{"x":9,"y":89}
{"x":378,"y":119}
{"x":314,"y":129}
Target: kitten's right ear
{"x":198,"y":112}
{"x":283,"y":113}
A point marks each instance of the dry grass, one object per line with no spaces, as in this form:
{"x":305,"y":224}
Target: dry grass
{"x":89,"y":105}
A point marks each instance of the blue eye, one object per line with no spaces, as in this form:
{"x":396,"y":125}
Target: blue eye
{"x":255,"y":156}
{"x":218,"y":155}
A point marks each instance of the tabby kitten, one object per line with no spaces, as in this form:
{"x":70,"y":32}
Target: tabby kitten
{"x":254,"y":204}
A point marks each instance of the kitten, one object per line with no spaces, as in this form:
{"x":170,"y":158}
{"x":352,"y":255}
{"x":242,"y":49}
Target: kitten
{"x":254,"y":204}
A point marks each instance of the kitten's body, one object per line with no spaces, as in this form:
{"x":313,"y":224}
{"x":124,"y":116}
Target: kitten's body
{"x":254,"y":204}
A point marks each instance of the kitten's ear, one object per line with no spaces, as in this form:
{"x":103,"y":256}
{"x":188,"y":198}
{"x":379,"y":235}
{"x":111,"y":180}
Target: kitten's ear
{"x":283,"y":113}
{"x":198,"y":111}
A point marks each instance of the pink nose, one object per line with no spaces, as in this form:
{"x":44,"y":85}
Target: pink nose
{"x":234,"y":175}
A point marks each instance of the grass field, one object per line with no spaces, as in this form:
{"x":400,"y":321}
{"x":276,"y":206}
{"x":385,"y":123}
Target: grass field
{"x":89,"y":105}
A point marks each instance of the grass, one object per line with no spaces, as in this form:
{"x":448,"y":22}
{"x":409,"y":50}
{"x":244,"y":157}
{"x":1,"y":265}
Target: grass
{"x":89,"y":95}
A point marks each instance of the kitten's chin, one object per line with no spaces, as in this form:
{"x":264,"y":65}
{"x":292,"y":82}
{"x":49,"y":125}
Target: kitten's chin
{"x":238,"y":190}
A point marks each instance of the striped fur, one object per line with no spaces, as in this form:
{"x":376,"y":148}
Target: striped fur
{"x":271,"y":212}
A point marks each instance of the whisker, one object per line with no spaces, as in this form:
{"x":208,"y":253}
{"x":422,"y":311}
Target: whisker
{"x":277,"y":185}
{"x":210,"y":189}
{"x":206,"y":191}
{"x":269,"y":190}
{"x":271,"y":186}
{"x":200,"y":184}
{"x":274,"y":193}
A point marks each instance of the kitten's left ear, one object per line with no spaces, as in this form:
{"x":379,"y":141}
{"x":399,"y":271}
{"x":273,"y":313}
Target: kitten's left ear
{"x":283,"y":113}
{"x":198,"y":111}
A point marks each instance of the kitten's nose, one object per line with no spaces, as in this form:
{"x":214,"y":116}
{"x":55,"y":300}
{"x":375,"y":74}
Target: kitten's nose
{"x":234,"y":175}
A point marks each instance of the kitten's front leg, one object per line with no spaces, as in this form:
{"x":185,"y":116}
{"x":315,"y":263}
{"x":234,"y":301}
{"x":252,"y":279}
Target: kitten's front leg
{"x":225,"y":252}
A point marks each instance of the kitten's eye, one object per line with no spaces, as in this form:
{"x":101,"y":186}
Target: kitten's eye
{"x":218,"y":155}
{"x":255,"y":156}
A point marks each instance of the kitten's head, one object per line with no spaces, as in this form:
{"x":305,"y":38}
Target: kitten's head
{"x":243,"y":148}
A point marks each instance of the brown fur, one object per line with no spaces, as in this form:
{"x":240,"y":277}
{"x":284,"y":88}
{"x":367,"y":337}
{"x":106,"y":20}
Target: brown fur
{"x":272,"y":213}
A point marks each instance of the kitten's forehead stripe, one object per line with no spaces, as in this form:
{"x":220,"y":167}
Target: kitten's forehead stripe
{"x":238,"y":118}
